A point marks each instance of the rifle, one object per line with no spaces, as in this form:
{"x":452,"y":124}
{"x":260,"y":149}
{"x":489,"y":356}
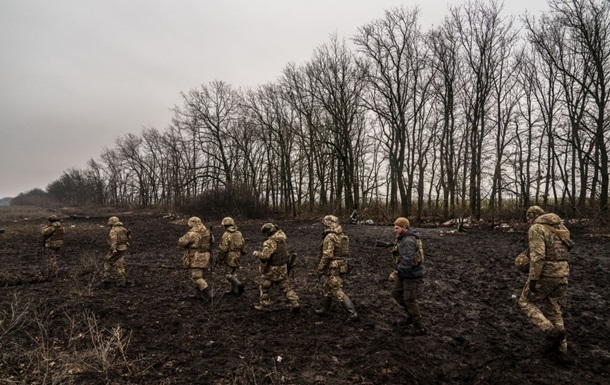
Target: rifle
{"x":387,"y":245}
{"x":291,"y":261}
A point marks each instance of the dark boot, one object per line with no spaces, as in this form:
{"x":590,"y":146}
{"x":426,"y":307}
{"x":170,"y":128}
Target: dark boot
{"x":198,"y":293}
{"x":237,"y":288}
{"x":234,"y":286}
{"x":553,"y":338}
{"x":349,"y":306}
{"x":207,"y":293}
{"x":325,"y":306}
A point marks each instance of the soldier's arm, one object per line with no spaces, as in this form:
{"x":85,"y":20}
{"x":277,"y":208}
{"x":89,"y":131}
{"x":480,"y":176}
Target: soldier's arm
{"x":537,"y":250}
{"x":185,"y":240}
{"x":269,"y":247}
{"x":114,"y":239}
{"x":328,"y":247}
{"x":47,"y":231}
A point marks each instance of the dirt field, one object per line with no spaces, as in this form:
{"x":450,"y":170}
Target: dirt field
{"x":72,"y":330}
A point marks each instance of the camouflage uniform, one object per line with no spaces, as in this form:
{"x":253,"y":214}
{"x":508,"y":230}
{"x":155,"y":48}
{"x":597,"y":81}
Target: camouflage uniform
{"x":548,"y":275}
{"x":232,"y":247}
{"x":118,"y":241}
{"x":409,"y":272}
{"x":333,"y":263}
{"x":197,"y":243}
{"x":274,"y":269}
{"x":53,"y":236}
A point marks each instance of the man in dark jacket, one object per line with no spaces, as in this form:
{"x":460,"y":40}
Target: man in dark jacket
{"x":409,"y":272}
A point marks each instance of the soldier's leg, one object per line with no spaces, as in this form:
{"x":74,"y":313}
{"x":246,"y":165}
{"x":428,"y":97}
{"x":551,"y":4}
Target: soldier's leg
{"x":107,"y":274}
{"x":51,"y":262}
{"x":290,"y":294}
{"x":527,"y":303}
{"x":265,"y":286}
{"x":409,"y":298}
{"x":397,"y":292}
{"x":410,"y":294}
{"x":335,"y":283}
{"x":120,"y":270}
{"x":230,"y":277}
{"x":327,"y":299}
{"x":553,"y":311}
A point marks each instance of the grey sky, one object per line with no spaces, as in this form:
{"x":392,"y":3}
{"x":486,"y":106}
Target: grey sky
{"x":77,"y":74}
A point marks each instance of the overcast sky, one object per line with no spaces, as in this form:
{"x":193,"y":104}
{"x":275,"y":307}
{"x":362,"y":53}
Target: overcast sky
{"x":77,"y":74}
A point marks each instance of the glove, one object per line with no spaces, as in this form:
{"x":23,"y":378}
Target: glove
{"x":533,"y":283}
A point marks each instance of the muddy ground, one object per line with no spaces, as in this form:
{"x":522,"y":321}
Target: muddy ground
{"x":476,"y":333}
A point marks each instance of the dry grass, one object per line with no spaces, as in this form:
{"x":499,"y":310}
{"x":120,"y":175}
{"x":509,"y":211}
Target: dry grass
{"x":37,"y":358}
{"x":23,"y":213}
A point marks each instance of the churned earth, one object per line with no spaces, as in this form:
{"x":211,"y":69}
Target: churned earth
{"x":78,"y":331}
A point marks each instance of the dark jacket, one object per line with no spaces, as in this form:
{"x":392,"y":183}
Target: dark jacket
{"x":407,"y":248}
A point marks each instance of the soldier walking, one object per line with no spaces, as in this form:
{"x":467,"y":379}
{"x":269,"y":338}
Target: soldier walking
{"x":114,"y":263}
{"x":333,"y":264}
{"x":232,"y":247}
{"x":274,"y":268}
{"x":197,"y":243}
{"x":53,"y":238}
{"x":547,"y":281}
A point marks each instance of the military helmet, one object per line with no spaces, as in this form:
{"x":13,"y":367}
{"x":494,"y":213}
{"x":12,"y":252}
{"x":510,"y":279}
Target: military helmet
{"x":329,"y":220}
{"x":193,"y":221}
{"x":534,"y":212}
{"x":269,"y":229}
{"x":227,"y":221}
{"x":53,"y":218}
{"x":113,"y":221}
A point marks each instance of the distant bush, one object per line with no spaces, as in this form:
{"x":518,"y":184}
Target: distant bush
{"x":35,"y":197}
{"x":239,"y":201}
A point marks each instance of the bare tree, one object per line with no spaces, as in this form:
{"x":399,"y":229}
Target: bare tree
{"x":339,"y":89}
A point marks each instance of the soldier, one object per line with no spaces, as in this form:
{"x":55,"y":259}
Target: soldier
{"x":549,"y":249}
{"x":333,"y":263}
{"x":273,"y":268}
{"x":118,"y":241}
{"x":197,"y":243}
{"x":53,"y":238}
{"x":408,"y":272}
{"x":232,"y":247}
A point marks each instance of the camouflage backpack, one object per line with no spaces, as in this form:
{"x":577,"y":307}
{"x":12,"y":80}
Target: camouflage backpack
{"x":418,"y":259}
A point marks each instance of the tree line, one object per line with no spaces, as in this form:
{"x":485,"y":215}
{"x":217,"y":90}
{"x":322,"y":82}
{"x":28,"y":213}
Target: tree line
{"x":480,"y":113}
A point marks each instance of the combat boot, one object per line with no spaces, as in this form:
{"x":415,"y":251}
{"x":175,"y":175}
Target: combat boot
{"x":241,"y":289}
{"x":208,"y":294}
{"x":553,"y":337}
{"x":234,"y":286}
{"x":349,"y":306}
{"x":325,"y":306}
{"x":563,"y":358}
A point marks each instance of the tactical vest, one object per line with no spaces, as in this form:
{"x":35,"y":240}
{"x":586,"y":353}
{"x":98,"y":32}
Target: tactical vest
{"x":280,"y":255}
